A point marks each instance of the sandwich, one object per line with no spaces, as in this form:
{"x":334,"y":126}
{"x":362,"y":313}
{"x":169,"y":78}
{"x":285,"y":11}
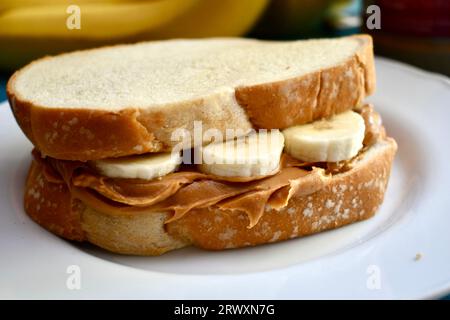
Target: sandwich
{"x":216,"y":143}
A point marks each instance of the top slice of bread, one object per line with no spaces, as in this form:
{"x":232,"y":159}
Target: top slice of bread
{"x":128,"y":99}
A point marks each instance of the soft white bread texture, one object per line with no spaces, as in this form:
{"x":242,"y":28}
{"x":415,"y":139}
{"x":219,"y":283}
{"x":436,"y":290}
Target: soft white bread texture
{"x":348,"y":197}
{"x":128,"y":99}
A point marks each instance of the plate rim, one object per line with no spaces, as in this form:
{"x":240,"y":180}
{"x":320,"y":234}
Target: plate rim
{"x":439,"y":292}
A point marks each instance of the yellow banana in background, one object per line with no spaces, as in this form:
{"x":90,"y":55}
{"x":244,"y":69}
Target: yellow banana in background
{"x":34,"y":28}
{"x":213,"y":19}
{"x":98,"y":20}
{"x":9,"y":4}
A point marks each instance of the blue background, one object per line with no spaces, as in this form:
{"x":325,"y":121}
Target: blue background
{"x":2,"y":88}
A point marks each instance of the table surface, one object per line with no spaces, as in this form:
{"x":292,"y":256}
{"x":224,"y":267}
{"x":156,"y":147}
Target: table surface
{"x":3,"y":80}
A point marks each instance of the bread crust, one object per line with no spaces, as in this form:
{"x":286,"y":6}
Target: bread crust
{"x":348,"y":197}
{"x":85,"y":134}
{"x":313,"y":96}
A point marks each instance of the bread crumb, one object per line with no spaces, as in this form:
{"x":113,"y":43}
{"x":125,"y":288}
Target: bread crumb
{"x":369,"y":184}
{"x":346,"y":214}
{"x":307,"y":212}
{"x":73,"y":121}
{"x":348,"y":73}
{"x":86,"y":132}
{"x":228,"y":234}
{"x":329,"y":203}
{"x":265,"y":228}
{"x":41,"y":182}
{"x":276,"y":236}
{"x":337,"y":208}
{"x":418,"y":256}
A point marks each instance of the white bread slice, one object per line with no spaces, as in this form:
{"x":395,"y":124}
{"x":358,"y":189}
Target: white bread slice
{"x":348,"y":197}
{"x":128,"y":99}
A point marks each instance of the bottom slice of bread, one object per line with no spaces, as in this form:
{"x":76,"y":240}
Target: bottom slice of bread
{"x":348,"y":197}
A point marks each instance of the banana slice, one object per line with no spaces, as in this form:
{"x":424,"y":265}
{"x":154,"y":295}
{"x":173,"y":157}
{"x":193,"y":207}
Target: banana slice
{"x":331,"y":140}
{"x":257,"y":154}
{"x":145,"y":167}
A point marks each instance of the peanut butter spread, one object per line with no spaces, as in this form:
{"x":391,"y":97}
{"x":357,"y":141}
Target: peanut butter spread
{"x":187,"y":189}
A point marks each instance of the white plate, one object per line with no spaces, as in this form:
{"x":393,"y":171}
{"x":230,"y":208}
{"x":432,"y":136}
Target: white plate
{"x":371,"y":259}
